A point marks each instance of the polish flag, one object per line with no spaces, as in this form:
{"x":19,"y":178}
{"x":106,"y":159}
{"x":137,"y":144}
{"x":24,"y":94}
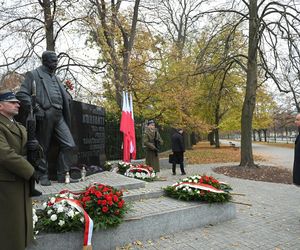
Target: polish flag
{"x":132,"y":130}
{"x":127,"y":128}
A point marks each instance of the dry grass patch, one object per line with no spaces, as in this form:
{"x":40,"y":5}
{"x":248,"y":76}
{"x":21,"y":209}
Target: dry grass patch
{"x":203,"y":153}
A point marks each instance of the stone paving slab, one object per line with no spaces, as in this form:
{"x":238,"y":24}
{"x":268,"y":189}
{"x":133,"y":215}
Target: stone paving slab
{"x":107,"y":178}
{"x":148,"y":219}
{"x":271,"y":222}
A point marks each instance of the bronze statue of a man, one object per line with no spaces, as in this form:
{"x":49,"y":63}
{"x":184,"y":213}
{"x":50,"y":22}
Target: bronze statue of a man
{"x":52,"y":112}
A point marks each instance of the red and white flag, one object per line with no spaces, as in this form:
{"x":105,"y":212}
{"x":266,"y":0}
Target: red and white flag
{"x":127,"y":128}
{"x":132,"y":130}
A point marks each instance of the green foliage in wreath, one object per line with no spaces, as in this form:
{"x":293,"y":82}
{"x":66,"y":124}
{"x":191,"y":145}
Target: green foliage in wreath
{"x":199,"y":188}
{"x":58,"y":217}
{"x":105,"y":205}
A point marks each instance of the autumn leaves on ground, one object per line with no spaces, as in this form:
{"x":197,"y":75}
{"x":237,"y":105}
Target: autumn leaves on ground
{"x":203,"y":153}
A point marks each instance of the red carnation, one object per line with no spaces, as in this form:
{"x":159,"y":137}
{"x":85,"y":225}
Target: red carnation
{"x":104,"y":209}
{"x":115,"y":198}
{"x":121,"y":203}
{"x":98,"y":194}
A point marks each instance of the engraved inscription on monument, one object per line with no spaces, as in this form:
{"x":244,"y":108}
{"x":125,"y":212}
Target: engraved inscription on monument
{"x":88,"y":132}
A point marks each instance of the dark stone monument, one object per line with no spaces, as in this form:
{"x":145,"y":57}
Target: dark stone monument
{"x":87,"y":128}
{"x":88,"y":132}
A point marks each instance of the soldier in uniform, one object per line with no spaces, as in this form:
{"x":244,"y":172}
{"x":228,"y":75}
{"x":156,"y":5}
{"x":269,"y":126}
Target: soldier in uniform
{"x":15,"y":178}
{"x":152,"y":142}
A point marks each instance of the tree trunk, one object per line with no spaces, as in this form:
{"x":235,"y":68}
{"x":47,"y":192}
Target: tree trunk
{"x":50,"y":43}
{"x":259,"y":134}
{"x":265,"y":134}
{"x":210,"y":138}
{"x":217,"y":138}
{"x":250,"y":95}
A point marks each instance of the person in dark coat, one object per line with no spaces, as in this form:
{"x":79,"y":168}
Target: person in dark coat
{"x":52,"y":114}
{"x":296,"y":167}
{"x":178,"y":149}
{"x":16,"y":229}
{"x":152,"y":142}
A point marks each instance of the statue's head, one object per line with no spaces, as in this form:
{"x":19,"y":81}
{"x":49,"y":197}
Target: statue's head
{"x":49,"y":60}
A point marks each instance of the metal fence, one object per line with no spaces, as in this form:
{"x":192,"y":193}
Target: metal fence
{"x":114,"y":139}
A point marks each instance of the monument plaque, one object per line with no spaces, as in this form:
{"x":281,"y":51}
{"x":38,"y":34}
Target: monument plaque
{"x":87,"y":127}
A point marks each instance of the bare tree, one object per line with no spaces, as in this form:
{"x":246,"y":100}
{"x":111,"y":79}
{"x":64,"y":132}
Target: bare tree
{"x":115,"y":35}
{"x":31,"y":26}
{"x":269,"y":24}
{"x":175,"y":20}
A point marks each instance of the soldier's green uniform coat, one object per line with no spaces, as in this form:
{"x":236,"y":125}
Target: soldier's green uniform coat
{"x":151,"y":151}
{"x":15,"y":203}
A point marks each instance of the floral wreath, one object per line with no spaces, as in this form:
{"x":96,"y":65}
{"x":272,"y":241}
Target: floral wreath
{"x":99,"y":206}
{"x":141,"y":171}
{"x":199,"y":188}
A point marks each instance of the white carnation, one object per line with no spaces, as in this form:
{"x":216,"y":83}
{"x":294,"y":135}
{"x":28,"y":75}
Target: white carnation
{"x":44,"y":205}
{"x":71,"y":213}
{"x":60,"y":209}
{"x":61,"y":222}
{"x":53,"y":217}
{"x":35,"y":218}
{"x":50,"y":211}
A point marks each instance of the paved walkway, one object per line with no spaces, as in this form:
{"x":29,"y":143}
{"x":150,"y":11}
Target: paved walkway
{"x":275,"y":155}
{"x":270,"y":221}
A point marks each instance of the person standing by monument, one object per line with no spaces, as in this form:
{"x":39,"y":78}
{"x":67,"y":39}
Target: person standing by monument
{"x":152,"y":142}
{"x":296,"y":167}
{"x":52,"y":112}
{"x":15,"y":178}
{"x":178,"y":149}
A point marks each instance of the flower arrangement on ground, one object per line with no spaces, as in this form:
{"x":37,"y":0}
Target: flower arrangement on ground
{"x":142,"y":172}
{"x":199,"y":188}
{"x":123,"y":166}
{"x":58,"y":215}
{"x":104,"y":204}
{"x":108,"y":166}
{"x":34,"y":220}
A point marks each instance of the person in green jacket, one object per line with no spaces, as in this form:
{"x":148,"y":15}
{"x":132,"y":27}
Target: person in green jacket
{"x":16,"y":229}
{"x":152,"y":142}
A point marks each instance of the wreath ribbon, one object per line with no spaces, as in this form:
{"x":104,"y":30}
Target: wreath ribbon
{"x":201,"y":186}
{"x":88,"y":228}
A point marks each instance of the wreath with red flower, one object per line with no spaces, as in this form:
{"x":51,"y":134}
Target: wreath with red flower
{"x":104,"y":204}
{"x":199,"y":188}
{"x":141,"y":171}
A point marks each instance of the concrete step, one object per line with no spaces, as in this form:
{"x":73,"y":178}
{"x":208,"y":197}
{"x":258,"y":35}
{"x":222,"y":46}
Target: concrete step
{"x":163,"y":162}
{"x":149,"y":219}
{"x":108,"y":178}
{"x":142,"y":194}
